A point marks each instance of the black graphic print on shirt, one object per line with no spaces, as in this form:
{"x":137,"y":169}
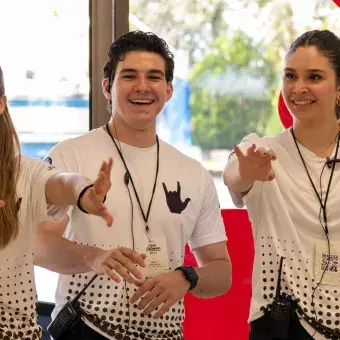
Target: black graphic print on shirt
{"x":173,"y":199}
{"x":48,"y":160}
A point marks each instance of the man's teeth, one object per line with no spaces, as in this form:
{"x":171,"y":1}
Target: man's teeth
{"x":302,"y":102}
{"x":141,"y":101}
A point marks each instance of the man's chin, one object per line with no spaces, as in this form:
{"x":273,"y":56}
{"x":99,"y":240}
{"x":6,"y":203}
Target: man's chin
{"x":145,"y":120}
{"x":144,"y":124}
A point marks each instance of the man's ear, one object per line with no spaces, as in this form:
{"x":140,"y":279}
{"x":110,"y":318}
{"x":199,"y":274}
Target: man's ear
{"x":106,"y":88}
{"x":169,"y":90}
{"x":3,"y":103}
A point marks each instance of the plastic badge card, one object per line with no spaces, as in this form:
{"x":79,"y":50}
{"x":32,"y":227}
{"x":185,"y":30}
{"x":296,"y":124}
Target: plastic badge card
{"x":328,"y":262}
{"x":157,"y":260}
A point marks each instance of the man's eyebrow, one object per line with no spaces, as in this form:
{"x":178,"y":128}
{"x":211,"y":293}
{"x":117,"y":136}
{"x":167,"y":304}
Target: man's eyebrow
{"x":125,"y":70}
{"x":156,"y":71}
{"x":133,"y":70}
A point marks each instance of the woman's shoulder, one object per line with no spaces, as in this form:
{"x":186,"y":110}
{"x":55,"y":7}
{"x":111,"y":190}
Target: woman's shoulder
{"x":28,"y":164}
{"x":34,"y":170}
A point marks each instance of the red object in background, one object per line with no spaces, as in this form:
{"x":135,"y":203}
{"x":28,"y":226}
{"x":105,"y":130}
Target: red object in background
{"x":285,"y":116}
{"x":337,"y":2}
{"x":225,"y":317}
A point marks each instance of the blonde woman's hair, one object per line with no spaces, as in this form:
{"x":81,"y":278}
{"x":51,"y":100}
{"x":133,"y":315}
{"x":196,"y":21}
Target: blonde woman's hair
{"x":9,"y":175}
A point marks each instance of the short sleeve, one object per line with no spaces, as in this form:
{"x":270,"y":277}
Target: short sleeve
{"x":37,"y":173}
{"x":62,"y":157}
{"x":209,"y":227}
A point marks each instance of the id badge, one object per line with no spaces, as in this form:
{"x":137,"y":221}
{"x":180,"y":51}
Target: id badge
{"x":156,"y":258}
{"x":330,"y":260}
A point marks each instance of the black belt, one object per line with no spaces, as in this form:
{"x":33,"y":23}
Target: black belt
{"x":317,"y":326}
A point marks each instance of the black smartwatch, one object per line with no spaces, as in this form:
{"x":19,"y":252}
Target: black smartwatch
{"x":190,"y":275}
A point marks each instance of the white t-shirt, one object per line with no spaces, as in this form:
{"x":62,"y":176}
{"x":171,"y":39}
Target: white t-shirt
{"x":284,"y":214}
{"x":18,"y":317}
{"x":200,"y":224}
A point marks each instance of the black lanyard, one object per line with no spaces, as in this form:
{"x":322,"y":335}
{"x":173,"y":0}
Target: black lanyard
{"x":145,"y":217}
{"x":323,"y":205}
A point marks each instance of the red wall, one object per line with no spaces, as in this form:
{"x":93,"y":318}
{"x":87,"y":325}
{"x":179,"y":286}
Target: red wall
{"x":225,"y":317}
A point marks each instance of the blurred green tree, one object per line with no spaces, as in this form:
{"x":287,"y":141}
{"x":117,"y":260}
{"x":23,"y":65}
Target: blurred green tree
{"x":235,"y":74}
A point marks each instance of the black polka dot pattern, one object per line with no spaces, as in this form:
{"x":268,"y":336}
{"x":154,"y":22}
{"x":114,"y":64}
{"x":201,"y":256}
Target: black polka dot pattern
{"x":18,"y":317}
{"x":296,"y":281}
{"x":18,"y":300}
{"x":106,"y":305}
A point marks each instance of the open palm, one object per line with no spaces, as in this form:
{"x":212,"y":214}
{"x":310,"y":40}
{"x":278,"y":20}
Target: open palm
{"x":92,"y":201}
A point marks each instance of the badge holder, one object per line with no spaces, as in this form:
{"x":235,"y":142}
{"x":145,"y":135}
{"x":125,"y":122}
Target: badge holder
{"x":327,"y":263}
{"x":156,"y":257}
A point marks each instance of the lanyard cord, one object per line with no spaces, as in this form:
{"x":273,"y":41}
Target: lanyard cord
{"x":145,"y":217}
{"x":323,"y":205}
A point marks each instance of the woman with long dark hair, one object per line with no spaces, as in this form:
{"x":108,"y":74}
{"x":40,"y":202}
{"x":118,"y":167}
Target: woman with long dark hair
{"x":290,"y":184}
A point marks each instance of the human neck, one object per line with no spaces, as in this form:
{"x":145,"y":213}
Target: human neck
{"x":138,"y":138}
{"x":319,"y":139}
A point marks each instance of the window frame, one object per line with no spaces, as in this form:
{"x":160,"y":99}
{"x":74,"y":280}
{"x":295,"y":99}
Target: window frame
{"x":109,"y":19}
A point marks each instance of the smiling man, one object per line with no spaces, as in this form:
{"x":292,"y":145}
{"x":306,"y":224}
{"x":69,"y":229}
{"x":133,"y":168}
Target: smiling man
{"x":161,"y":200}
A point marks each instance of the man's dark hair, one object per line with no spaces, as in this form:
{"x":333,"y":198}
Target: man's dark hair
{"x":138,"y":41}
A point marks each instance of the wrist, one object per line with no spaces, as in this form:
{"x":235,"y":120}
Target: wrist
{"x":190,"y":275}
{"x":183,"y":278}
{"x":78,"y":183}
{"x":246,"y":183}
{"x":80,"y":196}
{"x":90,"y":256}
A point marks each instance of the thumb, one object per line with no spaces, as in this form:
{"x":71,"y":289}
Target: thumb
{"x":107,"y":217}
{"x":185,"y":203}
{"x":270,"y":175}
